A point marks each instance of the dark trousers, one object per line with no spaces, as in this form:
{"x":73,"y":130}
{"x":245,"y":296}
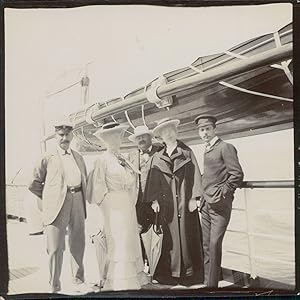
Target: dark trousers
{"x":143,"y":249}
{"x":145,"y":217}
{"x":214,"y":224}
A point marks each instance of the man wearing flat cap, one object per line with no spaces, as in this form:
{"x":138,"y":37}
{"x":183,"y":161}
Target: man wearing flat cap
{"x":59,"y":179}
{"x":222,"y":174}
{"x":141,"y":158}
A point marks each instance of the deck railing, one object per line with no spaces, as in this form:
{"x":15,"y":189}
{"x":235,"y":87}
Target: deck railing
{"x":15,"y":195}
{"x":270,"y":203}
{"x":274,"y":248}
{"x":269,"y":184}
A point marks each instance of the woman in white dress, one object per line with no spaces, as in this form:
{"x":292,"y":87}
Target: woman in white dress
{"x":112,"y":186}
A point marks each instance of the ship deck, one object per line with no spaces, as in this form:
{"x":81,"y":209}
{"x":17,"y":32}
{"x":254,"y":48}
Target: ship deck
{"x":28,"y":267}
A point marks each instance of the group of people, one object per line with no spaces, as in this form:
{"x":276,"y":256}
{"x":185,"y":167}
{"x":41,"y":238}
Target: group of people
{"x":157,"y":181}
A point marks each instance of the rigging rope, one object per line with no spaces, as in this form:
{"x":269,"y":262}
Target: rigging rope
{"x":239,"y":54}
{"x":284,"y":64}
{"x":253,"y":92}
{"x":127,"y":117}
{"x":64,"y":89}
{"x":143,"y":115}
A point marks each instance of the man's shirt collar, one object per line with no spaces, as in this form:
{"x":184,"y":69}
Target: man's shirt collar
{"x":212,"y":142}
{"x":62,"y":151}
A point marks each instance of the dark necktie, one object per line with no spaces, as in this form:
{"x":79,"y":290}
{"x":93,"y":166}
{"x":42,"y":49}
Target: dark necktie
{"x":66,"y":153}
{"x":146,"y":152}
{"x":207,"y":147}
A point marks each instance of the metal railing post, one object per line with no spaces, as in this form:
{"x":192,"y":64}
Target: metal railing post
{"x":250,"y":248}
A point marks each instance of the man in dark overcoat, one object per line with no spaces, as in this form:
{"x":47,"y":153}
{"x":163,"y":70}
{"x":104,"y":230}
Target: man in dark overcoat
{"x":141,"y":159}
{"x":222,"y":174}
{"x":173,"y":184}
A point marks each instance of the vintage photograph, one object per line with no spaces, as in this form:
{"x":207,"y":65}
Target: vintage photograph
{"x":149,"y":149}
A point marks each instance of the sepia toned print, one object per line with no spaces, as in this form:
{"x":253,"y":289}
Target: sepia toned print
{"x":149,"y":149}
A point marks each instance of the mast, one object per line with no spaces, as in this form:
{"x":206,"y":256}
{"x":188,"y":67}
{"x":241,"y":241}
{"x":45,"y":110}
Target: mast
{"x":43,"y":126}
{"x":84,"y":82}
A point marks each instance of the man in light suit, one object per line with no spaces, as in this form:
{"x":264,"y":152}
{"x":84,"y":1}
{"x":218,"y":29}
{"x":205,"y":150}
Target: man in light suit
{"x":222,"y":174}
{"x":59,"y":179}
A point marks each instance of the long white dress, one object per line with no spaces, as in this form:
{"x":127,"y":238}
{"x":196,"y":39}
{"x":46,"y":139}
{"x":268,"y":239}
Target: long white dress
{"x":113,"y":188}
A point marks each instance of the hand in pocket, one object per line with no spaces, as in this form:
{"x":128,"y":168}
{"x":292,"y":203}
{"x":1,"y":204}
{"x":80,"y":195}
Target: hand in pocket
{"x":226,"y":192}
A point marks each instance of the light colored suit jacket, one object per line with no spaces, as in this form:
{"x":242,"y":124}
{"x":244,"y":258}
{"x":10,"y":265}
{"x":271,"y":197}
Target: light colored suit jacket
{"x":48,"y":183}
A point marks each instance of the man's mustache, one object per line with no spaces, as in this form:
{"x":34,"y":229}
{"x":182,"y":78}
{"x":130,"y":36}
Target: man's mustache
{"x":142,"y":142}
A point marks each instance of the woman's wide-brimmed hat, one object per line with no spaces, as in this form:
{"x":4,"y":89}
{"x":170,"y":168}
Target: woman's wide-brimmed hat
{"x":138,"y":131}
{"x":164,"y":123}
{"x":109,"y":128}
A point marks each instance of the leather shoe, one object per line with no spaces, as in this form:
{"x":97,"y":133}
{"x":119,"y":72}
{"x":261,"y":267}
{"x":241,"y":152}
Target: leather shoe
{"x":188,"y":281}
{"x":37,"y":233}
{"x":83,"y":288}
{"x":54,"y":289}
{"x":166,"y":280}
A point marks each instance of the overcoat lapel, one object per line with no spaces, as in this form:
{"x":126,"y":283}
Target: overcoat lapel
{"x":179,"y":159}
{"x":163,"y":162}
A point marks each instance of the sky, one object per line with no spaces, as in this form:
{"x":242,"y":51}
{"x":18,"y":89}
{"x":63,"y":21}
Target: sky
{"x":125,"y":47}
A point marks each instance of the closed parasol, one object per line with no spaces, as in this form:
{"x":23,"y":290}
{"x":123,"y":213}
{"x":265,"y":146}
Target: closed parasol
{"x":152,"y":240}
{"x":99,"y":240}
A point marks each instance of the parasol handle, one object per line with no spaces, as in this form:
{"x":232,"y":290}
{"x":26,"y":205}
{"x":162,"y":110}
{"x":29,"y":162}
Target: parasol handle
{"x":156,"y":217}
{"x":157,"y":228}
